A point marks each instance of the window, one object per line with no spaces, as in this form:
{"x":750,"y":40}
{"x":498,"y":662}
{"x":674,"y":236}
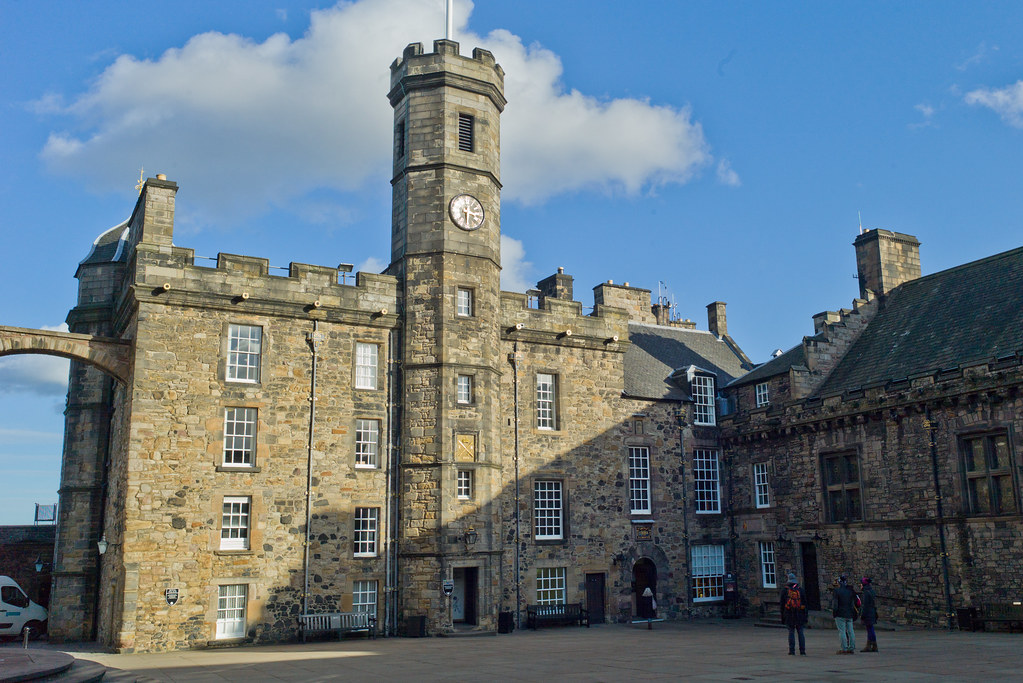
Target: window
{"x":763,"y":397}
{"x":366,"y":365}
{"x":550,"y":585}
{"x":366,"y":531}
{"x":367,"y":438}
{"x":705,"y":474}
{"x":463,"y":302}
{"x":14,"y":597}
{"x":708,"y":572}
{"x":546,"y":394}
{"x":239,"y":436}
{"x":231,"y":611}
{"x":466,"y":133}
{"x":244,"y":343}
{"x":988,"y":475}
{"x":768,"y":572}
{"x":842,"y":487}
{"x":364,"y":597}
{"x":463,"y":389}
{"x":547,"y":510}
{"x":703,"y":399}
{"x":761,"y":490}
{"x":234,"y":526}
{"x":464,"y":488}
{"x":399,"y":140}
{"x":639,"y":479}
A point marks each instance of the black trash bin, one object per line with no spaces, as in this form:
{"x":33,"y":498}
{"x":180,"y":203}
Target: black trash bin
{"x":415,"y":626}
{"x":505,"y":622}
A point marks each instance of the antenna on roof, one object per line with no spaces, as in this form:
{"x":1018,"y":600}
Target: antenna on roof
{"x":450,"y":20}
{"x":861,"y":221}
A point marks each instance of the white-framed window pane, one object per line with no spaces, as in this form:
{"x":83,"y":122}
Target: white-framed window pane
{"x":244,"y":343}
{"x":231,"y":611}
{"x":364,"y":597}
{"x":550,"y":585}
{"x":705,"y":474}
{"x":703,"y":400}
{"x":366,"y":527}
{"x":708,"y":565}
{"x":239,"y":436}
{"x":464,"y":484}
{"x":234,"y":525}
{"x":761,"y":488}
{"x":763,"y":397}
{"x":366,"y":365}
{"x":639,"y":479}
{"x":463,"y":302}
{"x":367,"y":441}
{"x":463,"y":389}
{"x":547,"y":515}
{"x":768,"y":572}
{"x":545,"y":397}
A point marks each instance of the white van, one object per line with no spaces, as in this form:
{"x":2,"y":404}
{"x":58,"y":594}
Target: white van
{"x":18,"y":612}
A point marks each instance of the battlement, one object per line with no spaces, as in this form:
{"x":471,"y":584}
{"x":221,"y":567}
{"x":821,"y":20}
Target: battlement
{"x":416,"y":69}
{"x":562,"y":322}
{"x":445,"y":47}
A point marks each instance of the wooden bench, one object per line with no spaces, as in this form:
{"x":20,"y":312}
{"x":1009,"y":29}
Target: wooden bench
{"x":999,"y":612}
{"x":338,"y":622}
{"x":560,"y":615}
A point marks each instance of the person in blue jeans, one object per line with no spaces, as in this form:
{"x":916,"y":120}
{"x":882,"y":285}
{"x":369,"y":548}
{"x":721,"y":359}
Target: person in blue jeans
{"x":792,"y":606}
{"x":844,"y":607}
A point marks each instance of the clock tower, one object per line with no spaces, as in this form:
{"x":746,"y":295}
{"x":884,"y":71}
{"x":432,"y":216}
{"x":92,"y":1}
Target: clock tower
{"x":445,"y":252}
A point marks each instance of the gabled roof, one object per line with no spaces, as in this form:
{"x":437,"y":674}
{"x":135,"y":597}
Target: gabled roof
{"x":657,"y":351}
{"x":972,"y":312}
{"x":776,"y":366}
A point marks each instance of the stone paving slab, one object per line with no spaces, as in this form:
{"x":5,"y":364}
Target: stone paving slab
{"x":704,"y":650}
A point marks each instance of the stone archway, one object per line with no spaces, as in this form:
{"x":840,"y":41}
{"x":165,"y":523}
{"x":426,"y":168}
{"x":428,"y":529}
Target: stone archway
{"x":109,"y":355}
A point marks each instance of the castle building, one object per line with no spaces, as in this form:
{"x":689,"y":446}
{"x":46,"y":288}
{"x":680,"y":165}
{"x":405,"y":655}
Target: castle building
{"x":243,"y":447}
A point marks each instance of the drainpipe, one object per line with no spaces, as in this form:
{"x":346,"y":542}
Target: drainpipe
{"x":685,"y":509}
{"x":313,"y":338}
{"x":932,"y":431}
{"x":391,"y":475}
{"x":514,"y":358}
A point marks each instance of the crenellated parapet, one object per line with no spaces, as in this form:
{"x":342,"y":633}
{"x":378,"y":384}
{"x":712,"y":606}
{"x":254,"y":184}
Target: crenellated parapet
{"x":561,"y":322}
{"x":835,"y":332}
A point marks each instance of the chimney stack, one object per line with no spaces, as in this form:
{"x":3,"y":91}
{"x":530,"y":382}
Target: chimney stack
{"x":716,"y":321}
{"x":884,"y":260}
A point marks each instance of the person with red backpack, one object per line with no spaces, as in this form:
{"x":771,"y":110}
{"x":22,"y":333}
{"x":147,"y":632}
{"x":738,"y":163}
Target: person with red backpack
{"x":792,"y":605}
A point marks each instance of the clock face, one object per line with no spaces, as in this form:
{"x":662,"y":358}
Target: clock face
{"x":466,"y":211}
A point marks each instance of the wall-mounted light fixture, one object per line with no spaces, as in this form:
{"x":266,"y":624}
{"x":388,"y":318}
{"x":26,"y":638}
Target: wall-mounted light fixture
{"x":40,"y":565}
{"x":102,"y":544}
{"x":470,"y":537}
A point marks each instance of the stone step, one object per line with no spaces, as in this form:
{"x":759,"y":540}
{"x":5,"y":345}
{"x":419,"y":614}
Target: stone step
{"x":81,"y":671}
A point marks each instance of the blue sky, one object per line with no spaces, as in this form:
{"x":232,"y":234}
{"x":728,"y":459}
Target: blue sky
{"x":723,"y":149}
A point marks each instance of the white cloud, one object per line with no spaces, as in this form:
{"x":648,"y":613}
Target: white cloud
{"x":1007,"y":102}
{"x":927,"y":111}
{"x":978,"y":56}
{"x":371,"y":265}
{"x":727,"y":175}
{"x":516,"y":272}
{"x":35,"y":373}
{"x":246,"y":126}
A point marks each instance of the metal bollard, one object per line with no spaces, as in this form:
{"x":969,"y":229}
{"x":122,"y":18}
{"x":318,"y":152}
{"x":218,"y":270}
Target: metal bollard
{"x":26,"y":631}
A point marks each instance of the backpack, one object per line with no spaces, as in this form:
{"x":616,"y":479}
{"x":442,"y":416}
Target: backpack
{"x":793,"y":601}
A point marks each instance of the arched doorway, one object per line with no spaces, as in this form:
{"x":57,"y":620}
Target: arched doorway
{"x":644,"y":575}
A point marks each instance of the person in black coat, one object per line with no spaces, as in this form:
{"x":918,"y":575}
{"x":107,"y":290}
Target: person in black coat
{"x":844,"y":607}
{"x":869,"y":614}
{"x":792,"y":606}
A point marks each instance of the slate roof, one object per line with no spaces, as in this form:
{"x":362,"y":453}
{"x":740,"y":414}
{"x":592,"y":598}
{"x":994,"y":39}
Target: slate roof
{"x":776,"y":366}
{"x":972,"y":312}
{"x":657,"y":351}
{"x":109,"y":246}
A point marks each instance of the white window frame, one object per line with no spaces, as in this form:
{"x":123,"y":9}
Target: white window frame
{"x":366,"y":528}
{"x":546,"y":401}
{"x":763,"y":394}
{"x":551,"y":585}
{"x":245,"y":346}
{"x":464,"y":484}
{"x":548,"y":510}
{"x":707,"y":481}
{"x":768,"y":565}
{"x":367,"y":357}
{"x":239,"y":436}
{"x":639,"y":480}
{"x":367,"y":443}
{"x":235,"y":523}
{"x":708,"y":569}
{"x":231,"y":611}
{"x":464,"y":301}
{"x":761,"y":485}
{"x":463,"y":389}
{"x":364,"y":596}
{"x":704,"y":395}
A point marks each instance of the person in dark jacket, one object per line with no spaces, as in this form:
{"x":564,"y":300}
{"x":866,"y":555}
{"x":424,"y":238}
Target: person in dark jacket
{"x":844,"y":604}
{"x":869,"y":614}
{"x":792,"y":606}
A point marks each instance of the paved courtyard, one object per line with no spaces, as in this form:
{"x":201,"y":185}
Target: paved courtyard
{"x":706,"y":650}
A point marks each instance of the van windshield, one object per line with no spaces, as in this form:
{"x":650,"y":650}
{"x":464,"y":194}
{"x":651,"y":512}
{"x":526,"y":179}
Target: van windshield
{"x":12,"y":596}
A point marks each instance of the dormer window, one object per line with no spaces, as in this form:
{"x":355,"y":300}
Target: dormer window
{"x":703,"y":392}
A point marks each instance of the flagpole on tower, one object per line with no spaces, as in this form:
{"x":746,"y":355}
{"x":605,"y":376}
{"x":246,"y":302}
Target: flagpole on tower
{"x":450,"y":20}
